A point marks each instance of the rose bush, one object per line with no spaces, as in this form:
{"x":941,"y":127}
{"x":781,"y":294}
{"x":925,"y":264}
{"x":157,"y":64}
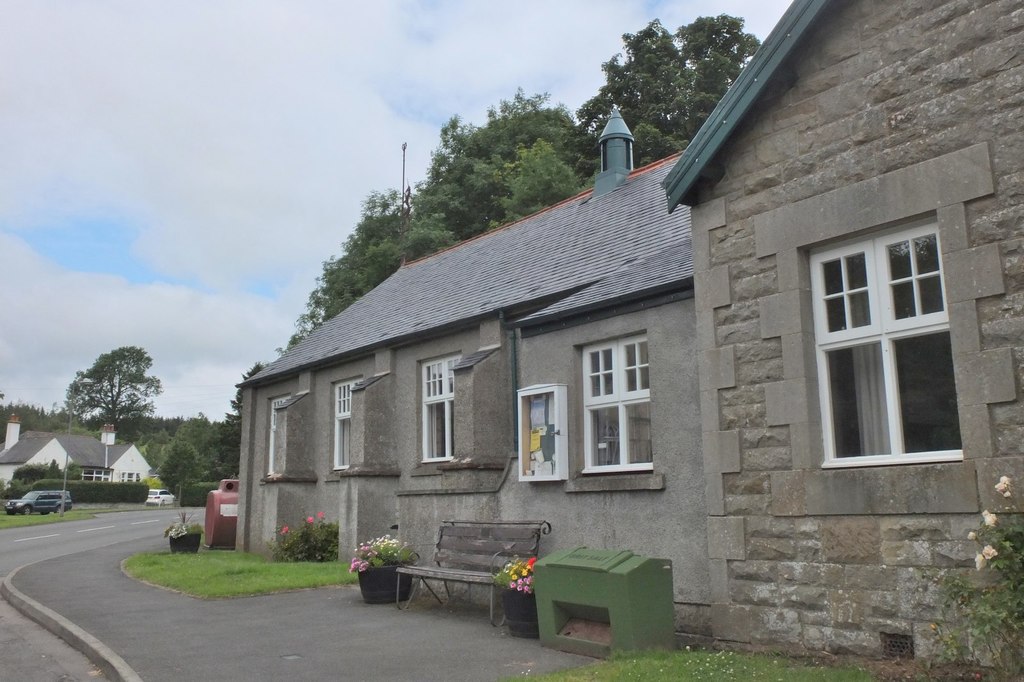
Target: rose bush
{"x":985,"y":611}
{"x":314,"y":540}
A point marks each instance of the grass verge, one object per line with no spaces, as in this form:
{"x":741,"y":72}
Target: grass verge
{"x":218,"y":574}
{"x":20,"y":520}
{"x":683,"y":666}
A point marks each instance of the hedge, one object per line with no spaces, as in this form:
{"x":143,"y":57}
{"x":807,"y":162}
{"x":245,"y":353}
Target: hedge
{"x":98,"y":491}
{"x":194,"y":494}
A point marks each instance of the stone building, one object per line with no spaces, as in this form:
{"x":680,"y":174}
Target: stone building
{"x":544,"y":370}
{"x":859,"y":266}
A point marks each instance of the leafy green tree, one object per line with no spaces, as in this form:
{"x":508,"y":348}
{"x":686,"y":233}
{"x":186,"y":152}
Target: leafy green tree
{"x":228,"y":440}
{"x":665,"y":85}
{"x":466,"y":185}
{"x":34,"y":418}
{"x":181,"y":466}
{"x":537,"y":178}
{"x":116,"y":390}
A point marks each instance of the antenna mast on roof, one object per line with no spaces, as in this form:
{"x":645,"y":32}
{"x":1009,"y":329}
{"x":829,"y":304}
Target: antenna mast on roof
{"x":406,"y":201}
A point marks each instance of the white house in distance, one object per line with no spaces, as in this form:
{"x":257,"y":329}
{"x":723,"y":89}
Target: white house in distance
{"x":101,"y":460}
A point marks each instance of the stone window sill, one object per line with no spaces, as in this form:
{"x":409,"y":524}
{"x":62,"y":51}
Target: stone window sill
{"x":616,"y":483}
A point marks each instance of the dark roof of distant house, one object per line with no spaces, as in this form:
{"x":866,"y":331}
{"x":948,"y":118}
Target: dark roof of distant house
{"x":697,"y":161}
{"x":83,"y":450}
{"x":576,"y":252}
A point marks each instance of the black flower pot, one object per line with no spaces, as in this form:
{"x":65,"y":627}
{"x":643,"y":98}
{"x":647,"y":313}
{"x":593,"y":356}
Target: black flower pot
{"x":186,"y":543}
{"x":382,"y":585}
{"x":520,"y":613}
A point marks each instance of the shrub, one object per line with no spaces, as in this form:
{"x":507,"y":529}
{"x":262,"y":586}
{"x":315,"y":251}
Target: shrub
{"x":985,"y":611}
{"x":314,"y":540}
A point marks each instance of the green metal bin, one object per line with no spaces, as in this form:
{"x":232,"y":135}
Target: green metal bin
{"x":591,"y":601}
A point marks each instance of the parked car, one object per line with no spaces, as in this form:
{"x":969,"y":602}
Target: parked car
{"x":159,"y":497}
{"x":42,"y":501}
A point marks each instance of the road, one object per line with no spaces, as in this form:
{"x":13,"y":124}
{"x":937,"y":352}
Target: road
{"x":20,"y":546}
{"x":27,"y":651}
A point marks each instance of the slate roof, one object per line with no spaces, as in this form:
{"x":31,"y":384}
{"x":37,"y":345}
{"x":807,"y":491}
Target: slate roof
{"x":83,"y":450}
{"x":580,"y":250}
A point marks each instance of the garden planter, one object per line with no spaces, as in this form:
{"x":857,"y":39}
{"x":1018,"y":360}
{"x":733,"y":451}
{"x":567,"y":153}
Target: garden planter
{"x":520,"y":613}
{"x":186,"y":543}
{"x":378,"y":585}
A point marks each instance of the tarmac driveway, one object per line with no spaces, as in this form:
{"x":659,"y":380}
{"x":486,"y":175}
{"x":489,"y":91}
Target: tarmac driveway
{"x":321,"y":634}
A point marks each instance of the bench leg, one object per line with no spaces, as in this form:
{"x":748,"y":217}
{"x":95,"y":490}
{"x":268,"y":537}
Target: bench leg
{"x":398,"y":589}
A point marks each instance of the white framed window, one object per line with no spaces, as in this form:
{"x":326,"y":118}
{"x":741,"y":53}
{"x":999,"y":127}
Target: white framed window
{"x":90,"y":474}
{"x":885,"y":364}
{"x":617,"y":406}
{"x":276,"y":436}
{"x":342,"y":423}
{"x":130,"y":476}
{"x":439,"y":408}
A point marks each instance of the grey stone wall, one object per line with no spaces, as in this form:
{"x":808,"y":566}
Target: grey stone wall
{"x":893,"y":111}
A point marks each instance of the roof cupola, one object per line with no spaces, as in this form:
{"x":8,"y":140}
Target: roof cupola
{"x":616,"y":144}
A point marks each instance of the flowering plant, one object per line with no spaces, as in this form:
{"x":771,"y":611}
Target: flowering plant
{"x":987,"y":609}
{"x":517,"y":575}
{"x":314,"y":540}
{"x":382,"y":551}
{"x":183,"y":526}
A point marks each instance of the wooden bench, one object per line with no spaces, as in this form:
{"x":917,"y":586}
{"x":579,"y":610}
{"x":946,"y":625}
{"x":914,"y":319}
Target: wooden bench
{"x":474,"y":552}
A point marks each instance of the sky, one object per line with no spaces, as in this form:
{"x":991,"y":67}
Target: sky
{"x":173,"y":175}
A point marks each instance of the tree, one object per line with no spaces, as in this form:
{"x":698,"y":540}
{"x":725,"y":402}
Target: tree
{"x":666,"y":85}
{"x":116,"y":390}
{"x":180,"y":466}
{"x":228,"y":446}
{"x":30,"y":473}
{"x":536,"y":179}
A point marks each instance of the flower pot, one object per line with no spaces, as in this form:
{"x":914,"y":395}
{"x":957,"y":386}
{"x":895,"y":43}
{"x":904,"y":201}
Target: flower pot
{"x":378,"y":585}
{"x":520,"y":613}
{"x":185,"y":543}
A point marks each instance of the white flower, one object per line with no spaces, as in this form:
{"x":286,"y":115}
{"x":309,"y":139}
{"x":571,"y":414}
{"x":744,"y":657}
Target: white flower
{"x":972,"y":535}
{"x":990,"y":518}
{"x":989,"y":552}
{"x":1003,"y":487}
{"x":979,"y":562}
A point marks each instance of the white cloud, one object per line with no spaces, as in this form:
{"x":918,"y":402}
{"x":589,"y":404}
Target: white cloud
{"x":237,"y":140}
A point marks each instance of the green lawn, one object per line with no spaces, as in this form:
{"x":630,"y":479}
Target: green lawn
{"x":19,"y":520}
{"x":214,"y":574}
{"x":683,"y":666}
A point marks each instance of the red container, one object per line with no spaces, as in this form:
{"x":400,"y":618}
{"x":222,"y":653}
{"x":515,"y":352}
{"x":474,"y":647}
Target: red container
{"x":222,"y":515}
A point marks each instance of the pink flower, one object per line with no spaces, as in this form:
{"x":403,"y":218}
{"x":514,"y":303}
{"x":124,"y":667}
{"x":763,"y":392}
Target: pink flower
{"x":320,"y":515}
{"x":989,"y":552}
{"x":309,"y":519}
{"x":284,"y":530}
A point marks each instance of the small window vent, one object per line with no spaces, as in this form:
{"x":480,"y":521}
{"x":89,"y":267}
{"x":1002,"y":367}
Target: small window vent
{"x":897,"y":646}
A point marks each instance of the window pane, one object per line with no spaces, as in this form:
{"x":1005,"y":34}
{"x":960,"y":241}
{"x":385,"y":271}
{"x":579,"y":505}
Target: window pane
{"x":630,"y":355}
{"x":832,"y":273}
{"x":857,"y":391}
{"x":609,"y":385}
{"x":930,"y":291}
{"x":631,"y":379}
{"x":606,"y":358}
{"x":856,"y":272}
{"x":926,"y":253}
{"x":605,"y":430}
{"x":343,"y":445}
{"x":836,"y":311}
{"x":595,"y":362}
{"x":643,"y":353}
{"x":645,"y":379}
{"x":903,"y":300}
{"x":899,"y":261}
{"x":435,"y":430}
{"x":860,"y":310}
{"x":595,"y":385}
{"x":638,"y":417}
{"x":924,"y":369}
